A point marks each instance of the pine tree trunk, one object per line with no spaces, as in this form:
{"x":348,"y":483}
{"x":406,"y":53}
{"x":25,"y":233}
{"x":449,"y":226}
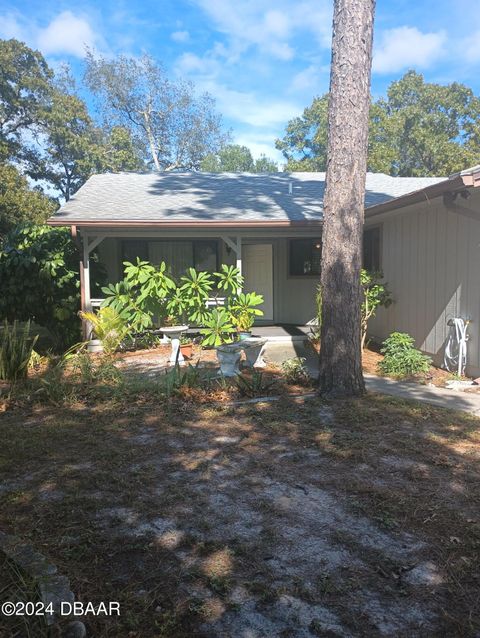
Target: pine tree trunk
{"x":340,"y":352}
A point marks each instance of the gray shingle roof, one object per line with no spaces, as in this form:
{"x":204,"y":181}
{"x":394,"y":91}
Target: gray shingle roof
{"x":216,"y":197}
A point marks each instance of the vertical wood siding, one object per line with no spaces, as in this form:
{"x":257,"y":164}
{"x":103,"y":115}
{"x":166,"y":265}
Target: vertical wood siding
{"x":431,"y":261}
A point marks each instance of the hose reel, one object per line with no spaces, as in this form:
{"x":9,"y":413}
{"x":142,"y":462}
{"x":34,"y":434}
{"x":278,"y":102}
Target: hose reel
{"x":455,"y":357}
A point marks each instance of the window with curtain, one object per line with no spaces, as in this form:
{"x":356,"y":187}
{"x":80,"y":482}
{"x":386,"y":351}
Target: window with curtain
{"x":178,"y":254}
{"x":305,"y":257}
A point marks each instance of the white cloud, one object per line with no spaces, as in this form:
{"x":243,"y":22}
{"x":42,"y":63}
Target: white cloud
{"x":307,"y":79}
{"x":261,"y":145}
{"x":405,"y":47}
{"x":10,"y":27}
{"x":471,"y":48}
{"x":66,"y":34}
{"x":254,"y":23}
{"x":180,"y":36}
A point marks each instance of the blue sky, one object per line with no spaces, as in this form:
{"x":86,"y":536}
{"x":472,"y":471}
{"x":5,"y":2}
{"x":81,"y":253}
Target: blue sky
{"x":263,"y":60}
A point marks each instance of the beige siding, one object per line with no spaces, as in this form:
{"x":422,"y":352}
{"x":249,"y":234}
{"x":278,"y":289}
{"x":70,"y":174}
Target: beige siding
{"x":294,"y":297}
{"x":431,"y":261}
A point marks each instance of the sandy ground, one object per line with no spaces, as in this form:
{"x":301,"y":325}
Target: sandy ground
{"x":298,"y":519}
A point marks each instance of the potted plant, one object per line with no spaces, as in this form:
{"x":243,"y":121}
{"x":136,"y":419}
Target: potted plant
{"x":186,"y":346}
{"x":108,"y":330}
{"x":244,"y":323}
{"x":243,"y":311}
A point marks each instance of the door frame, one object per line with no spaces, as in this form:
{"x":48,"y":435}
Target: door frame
{"x":268,"y":242}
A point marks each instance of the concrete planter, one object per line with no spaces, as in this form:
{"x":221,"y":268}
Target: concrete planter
{"x":253,"y":348}
{"x":94,"y":345}
{"x":229,"y":359}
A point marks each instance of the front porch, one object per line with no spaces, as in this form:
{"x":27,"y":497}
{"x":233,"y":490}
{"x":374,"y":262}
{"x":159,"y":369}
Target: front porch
{"x":281,"y":264}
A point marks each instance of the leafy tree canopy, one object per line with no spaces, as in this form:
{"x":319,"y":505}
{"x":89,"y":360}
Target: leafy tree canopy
{"x":419,"y":129}
{"x":18,"y":202}
{"x":178,"y":128}
{"x":24,"y":88}
{"x":234,"y":158}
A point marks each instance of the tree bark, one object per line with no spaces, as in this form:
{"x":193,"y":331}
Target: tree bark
{"x":340,"y":352}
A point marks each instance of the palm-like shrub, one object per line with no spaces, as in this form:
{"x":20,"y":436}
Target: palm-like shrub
{"x":16,"y":347}
{"x":108,"y":326}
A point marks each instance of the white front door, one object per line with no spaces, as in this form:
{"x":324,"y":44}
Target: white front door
{"x":257,"y":269}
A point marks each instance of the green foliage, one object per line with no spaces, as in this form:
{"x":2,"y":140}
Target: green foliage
{"x":177,"y":378}
{"x":141,"y":298}
{"x":40,"y":280}
{"x":218,"y":328}
{"x":253,"y":385}
{"x":195,"y":289}
{"x":19,"y":203}
{"x":243,"y":310}
{"x":234,"y":158}
{"x":24,"y":88}
{"x":177,"y":126}
{"x":401,"y":359}
{"x":16,"y":347}
{"x":304,"y":145}
{"x":295,"y":371}
{"x":375,"y":295}
{"x":419,"y":129}
{"x":229,"y":279}
{"x":108,"y":326}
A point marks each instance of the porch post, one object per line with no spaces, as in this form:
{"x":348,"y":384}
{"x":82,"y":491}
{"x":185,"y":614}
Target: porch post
{"x":86,"y":276}
{"x":239,"y":256}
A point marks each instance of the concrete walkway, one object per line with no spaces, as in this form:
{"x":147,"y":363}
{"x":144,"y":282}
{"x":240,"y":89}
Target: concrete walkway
{"x":440,"y":397}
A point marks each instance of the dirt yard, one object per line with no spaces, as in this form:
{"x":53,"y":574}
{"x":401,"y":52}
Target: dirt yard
{"x":289,"y":519}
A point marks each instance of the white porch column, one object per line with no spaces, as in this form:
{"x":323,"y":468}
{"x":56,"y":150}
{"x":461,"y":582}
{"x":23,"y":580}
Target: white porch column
{"x":87,"y":303}
{"x":239,"y":257}
{"x":85,"y":292}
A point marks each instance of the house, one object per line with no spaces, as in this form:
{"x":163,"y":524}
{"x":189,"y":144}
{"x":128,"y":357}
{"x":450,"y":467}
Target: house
{"x":424,"y":233}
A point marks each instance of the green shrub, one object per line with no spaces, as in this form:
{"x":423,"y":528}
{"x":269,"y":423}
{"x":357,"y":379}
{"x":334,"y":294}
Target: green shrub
{"x":218,"y":328}
{"x":254,"y":385}
{"x":375,"y":295}
{"x":39,"y":271}
{"x":16,"y":347}
{"x":108,"y":326}
{"x":401,"y":358}
{"x":295,"y":371}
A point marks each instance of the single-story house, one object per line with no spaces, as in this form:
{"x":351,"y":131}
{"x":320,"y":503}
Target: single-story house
{"x":423,"y":233}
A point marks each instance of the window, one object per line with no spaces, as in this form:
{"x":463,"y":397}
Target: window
{"x":371,"y":249}
{"x":178,"y":254}
{"x":305,"y":257}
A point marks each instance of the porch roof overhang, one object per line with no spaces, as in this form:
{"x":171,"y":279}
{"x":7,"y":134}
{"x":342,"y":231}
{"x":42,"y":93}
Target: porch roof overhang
{"x":182,"y":225}
{"x":469,"y":178}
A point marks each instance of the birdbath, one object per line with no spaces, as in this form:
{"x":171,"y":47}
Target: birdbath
{"x":174,"y":333}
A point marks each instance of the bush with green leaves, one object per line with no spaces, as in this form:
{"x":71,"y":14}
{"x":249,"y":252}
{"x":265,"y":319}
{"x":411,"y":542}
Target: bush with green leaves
{"x":243,"y":309}
{"x":140,"y":299}
{"x":295,"y":371}
{"x":39,"y":271}
{"x":16,"y":348}
{"x":401,"y":358}
{"x":148,"y":297}
{"x":107,"y":326}
{"x":375,"y":295}
{"x":218,"y":328}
